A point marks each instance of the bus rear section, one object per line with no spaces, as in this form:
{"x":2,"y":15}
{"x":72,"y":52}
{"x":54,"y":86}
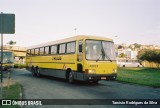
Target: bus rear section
{"x":7,"y":60}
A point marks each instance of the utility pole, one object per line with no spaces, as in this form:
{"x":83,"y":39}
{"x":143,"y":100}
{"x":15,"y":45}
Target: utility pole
{"x":75,"y":29}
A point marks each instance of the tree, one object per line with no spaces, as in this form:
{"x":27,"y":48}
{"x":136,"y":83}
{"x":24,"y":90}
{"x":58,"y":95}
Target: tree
{"x":122,"y":55}
{"x":150,"y":55}
{"x":11,"y":42}
{"x":136,"y":45}
{"x":120,"y":47}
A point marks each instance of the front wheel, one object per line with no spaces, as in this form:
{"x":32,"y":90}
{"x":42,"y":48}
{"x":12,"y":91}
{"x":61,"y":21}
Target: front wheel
{"x":113,"y":78}
{"x":95,"y":81}
{"x":70,"y":77}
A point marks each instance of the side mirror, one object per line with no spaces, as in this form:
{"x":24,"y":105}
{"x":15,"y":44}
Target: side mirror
{"x":80,"y":48}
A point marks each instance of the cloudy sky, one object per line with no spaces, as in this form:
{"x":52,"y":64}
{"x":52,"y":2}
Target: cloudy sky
{"x":125,"y":21}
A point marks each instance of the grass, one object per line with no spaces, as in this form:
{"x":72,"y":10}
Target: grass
{"x":141,"y":76}
{"x":19,"y":65}
{"x":12,"y":93}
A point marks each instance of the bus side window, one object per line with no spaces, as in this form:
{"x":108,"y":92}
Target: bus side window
{"x":28,"y":52}
{"x":46,"y":50}
{"x":71,"y":47}
{"x":37,"y":51}
{"x":62,"y":48}
{"x":41,"y":52}
{"x":53,"y":49}
{"x":32,"y":52}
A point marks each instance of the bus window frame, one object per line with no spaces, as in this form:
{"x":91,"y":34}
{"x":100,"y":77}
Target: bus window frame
{"x":56,"y":49}
{"x":40,"y":51}
{"x":32,"y":54}
{"x":74,"y":47}
{"x":35,"y":51}
{"x":80,"y":51}
{"x":28,"y":52}
{"x":59,"y":48}
{"x":45,"y":50}
{"x":101,"y":45}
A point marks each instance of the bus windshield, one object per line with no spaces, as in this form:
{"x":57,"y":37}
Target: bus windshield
{"x":100,"y":50}
{"x":7,"y":57}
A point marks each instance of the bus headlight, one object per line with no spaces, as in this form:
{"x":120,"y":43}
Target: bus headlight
{"x":91,"y":71}
{"x":114,"y":71}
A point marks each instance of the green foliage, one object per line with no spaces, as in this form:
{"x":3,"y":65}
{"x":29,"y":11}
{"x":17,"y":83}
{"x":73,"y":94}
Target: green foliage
{"x":122,"y":55}
{"x":19,"y":65}
{"x":120,"y":47}
{"x":12,"y":93}
{"x":150,"y":55}
{"x":137,"y":45}
{"x":11,"y":42}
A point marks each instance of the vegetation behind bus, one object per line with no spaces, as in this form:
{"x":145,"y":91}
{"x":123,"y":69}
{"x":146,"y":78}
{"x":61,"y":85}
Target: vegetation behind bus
{"x":150,"y":56}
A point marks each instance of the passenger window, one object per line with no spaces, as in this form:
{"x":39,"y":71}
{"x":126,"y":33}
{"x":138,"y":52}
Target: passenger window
{"x":32,"y":51}
{"x":36,"y":51}
{"x":62,"y":48}
{"x":28,"y":52}
{"x":54,"y":49}
{"x":47,"y":50}
{"x":41,"y":52}
{"x":71,"y":47}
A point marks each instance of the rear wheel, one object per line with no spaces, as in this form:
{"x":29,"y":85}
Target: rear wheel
{"x":33,"y":71}
{"x":38,"y":72}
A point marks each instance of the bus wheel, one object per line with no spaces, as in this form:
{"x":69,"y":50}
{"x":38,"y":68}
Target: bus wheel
{"x":95,"y":81}
{"x":38,"y":72}
{"x":33,"y":71}
{"x":113,"y":78}
{"x":70,"y":77}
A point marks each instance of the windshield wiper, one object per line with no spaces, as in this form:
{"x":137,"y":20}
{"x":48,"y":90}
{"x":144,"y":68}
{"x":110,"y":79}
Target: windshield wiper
{"x":105,"y":55}
{"x":98,"y":58}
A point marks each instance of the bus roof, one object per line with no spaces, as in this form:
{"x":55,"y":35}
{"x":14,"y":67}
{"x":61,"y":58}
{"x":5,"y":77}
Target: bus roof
{"x":78,"y":37}
{"x":6,"y":50}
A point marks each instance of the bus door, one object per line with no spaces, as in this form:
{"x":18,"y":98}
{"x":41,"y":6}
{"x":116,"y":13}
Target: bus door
{"x":80,"y":60}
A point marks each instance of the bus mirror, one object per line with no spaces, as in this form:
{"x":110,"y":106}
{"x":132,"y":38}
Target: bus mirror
{"x":80,"y":48}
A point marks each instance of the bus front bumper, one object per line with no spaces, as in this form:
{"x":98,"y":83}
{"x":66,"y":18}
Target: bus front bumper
{"x":100,"y":76}
{"x":92,"y":77}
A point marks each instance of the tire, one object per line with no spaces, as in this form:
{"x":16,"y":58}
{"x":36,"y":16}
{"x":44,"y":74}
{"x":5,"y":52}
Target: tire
{"x":95,"y":81}
{"x":33,"y":71}
{"x":38,"y":72}
{"x":113,"y":78}
{"x":70,"y":77}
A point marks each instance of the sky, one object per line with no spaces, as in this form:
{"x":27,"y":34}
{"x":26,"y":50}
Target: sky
{"x":125,"y":21}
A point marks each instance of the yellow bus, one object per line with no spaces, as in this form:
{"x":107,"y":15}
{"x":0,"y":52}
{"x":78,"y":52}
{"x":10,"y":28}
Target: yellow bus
{"x":8,"y":60}
{"x":84,"y":58}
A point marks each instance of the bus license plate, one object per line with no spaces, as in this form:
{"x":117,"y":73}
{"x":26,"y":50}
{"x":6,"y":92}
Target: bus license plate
{"x":103,"y":77}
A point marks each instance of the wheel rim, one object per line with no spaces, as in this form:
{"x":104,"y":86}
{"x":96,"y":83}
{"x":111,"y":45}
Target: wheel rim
{"x":70,"y":77}
{"x":38,"y":73}
{"x":33,"y":73}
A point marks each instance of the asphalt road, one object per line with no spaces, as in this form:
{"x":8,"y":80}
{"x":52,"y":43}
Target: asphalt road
{"x":54,"y":88}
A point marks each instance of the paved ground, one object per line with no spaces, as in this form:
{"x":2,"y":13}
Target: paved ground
{"x":54,"y":88}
